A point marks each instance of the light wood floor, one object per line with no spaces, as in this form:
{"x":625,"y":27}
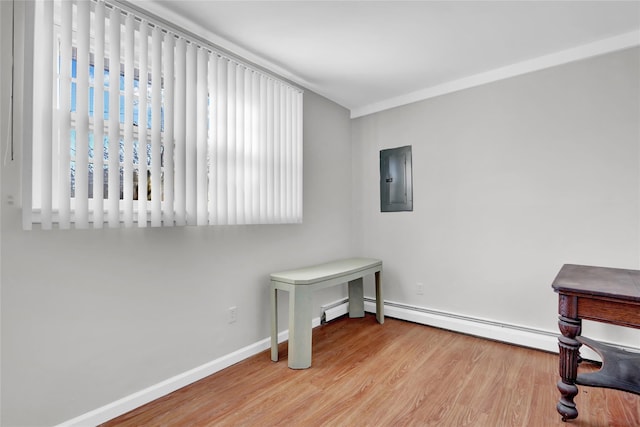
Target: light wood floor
{"x":396,"y":374}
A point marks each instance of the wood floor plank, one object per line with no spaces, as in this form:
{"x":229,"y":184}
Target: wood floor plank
{"x":396,"y":374}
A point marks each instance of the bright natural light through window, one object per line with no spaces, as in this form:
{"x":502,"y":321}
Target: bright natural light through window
{"x":135,"y":123}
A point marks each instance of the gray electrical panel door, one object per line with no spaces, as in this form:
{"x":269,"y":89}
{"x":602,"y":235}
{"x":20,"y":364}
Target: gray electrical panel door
{"x":396,"y":190}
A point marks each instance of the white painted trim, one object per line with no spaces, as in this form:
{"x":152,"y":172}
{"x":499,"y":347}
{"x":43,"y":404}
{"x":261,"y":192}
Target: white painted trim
{"x":508,"y":333}
{"x":489,"y":329}
{"x":600,"y":47}
{"x":526,"y":337}
{"x":512,"y":334}
{"x":149,"y":394}
{"x":333,"y":310}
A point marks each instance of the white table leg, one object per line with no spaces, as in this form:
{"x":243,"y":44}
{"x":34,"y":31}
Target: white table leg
{"x":379,"y":299}
{"x":299,"y":327}
{"x":274,"y":323}
{"x":356,"y":298}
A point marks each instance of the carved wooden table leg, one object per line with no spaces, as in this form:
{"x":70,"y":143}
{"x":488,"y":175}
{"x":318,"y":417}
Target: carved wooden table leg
{"x":607,"y":295}
{"x":569,"y":355}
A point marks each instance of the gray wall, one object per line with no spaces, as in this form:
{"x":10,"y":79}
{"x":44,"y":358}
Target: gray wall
{"x":511,"y":180}
{"x":90,"y":316}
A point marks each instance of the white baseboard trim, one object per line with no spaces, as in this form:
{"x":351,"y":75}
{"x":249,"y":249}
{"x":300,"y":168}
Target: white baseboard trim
{"x":512,"y":334}
{"x":149,"y":394}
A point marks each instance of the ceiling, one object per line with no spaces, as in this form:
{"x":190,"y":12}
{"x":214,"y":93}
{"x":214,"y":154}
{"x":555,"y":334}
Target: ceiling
{"x":372,"y":55}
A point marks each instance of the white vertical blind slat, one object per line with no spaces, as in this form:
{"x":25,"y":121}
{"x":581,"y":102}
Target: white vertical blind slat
{"x":221,"y":145}
{"x":288,"y":160}
{"x":98,"y":118}
{"x":191,"y":135}
{"x":180,"y":132}
{"x":283,"y":153}
{"x":212,"y":80}
{"x":82,"y":117}
{"x":255,"y":148}
{"x":156,"y":128}
{"x":239,"y":146}
{"x":113,"y":187}
{"x":283,"y":156}
{"x":202,"y":133}
{"x":64,"y":117}
{"x":46,"y":86}
{"x":276,"y":150}
{"x":298,"y":149}
{"x":231,"y":143}
{"x":169,"y":146}
{"x":143,"y":123}
{"x":270,"y":151}
{"x":248,"y":172}
{"x":263,"y":148}
{"x":296,"y":155}
{"x":127,"y":176}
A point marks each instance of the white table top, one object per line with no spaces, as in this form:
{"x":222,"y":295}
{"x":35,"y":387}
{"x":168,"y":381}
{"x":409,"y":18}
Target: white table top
{"x":326,"y":271}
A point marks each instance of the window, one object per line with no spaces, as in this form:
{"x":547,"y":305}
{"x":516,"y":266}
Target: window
{"x":137,"y":123}
{"x":141,"y":151}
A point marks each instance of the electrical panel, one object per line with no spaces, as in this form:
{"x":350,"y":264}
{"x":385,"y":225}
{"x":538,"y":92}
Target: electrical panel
{"x":396,"y":187}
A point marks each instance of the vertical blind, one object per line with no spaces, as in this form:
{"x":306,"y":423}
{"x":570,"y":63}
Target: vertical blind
{"x":137,"y":123}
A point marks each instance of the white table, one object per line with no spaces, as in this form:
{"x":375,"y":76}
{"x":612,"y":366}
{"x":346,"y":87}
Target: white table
{"x":300,"y":284}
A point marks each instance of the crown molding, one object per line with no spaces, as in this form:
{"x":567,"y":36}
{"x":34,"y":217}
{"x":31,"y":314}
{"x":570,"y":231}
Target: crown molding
{"x":159,"y":10}
{"x":600,"y":47}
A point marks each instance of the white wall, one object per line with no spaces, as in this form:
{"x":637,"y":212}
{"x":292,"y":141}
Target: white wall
{"x":511,"y":180}
{"x":90,"y":316}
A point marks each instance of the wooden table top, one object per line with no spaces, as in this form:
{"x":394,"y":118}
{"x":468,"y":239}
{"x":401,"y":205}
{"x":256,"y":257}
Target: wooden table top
{"x":615,"y":283}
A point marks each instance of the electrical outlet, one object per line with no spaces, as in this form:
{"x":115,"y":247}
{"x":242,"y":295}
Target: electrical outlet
{"x":420,"y":289}
{"x":233,"y":314}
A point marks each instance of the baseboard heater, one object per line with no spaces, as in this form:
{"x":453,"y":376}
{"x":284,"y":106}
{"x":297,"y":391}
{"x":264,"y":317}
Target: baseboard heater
{"x":513,"y":334}
{"x":333,"y":310}
{"x":518,"y":335}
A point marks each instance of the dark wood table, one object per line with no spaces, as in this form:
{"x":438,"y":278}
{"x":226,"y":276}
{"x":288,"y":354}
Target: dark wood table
{"x":608,"y":295}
